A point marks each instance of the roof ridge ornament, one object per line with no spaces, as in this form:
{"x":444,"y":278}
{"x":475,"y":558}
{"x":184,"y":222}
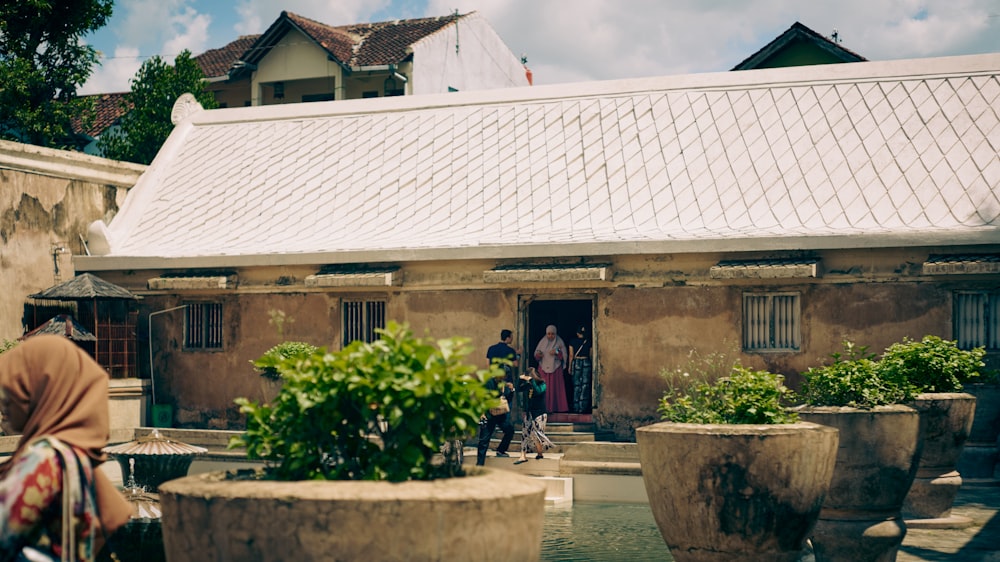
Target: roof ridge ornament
{"x":184,"y":107}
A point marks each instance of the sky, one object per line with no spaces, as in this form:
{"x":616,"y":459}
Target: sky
{"x":572,"y":40}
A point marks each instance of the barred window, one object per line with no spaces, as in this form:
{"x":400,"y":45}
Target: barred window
{"x":771,"y":322}
{"x":976,"y":319}
{"x":203,"y":325}
{"x":361,"y":319}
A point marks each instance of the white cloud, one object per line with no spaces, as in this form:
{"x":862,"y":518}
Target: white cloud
{"x":595,"y":39}
{"x":256,"y":15}
{"x":601,"y":39}
{"x":190,"y":32}
{"x":114,"y":73}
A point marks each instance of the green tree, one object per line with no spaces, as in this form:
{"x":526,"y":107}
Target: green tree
{"x":155,"y":88}
{"x":42,"y":62}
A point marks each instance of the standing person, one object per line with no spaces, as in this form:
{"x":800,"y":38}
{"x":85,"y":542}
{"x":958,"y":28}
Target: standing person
{"x":551,"y":356}
{"x":581,"y":368}
{"x":495,"y":418}
{"x":535,"y":417}
{"x":503,"y":350}
{"x":54,"y":502}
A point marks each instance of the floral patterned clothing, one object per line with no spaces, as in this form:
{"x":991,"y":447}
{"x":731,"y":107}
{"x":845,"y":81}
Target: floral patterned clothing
{"x":47,"y":503}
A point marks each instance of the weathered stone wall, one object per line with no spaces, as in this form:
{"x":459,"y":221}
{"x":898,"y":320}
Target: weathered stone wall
{"x":47,"y":200}
{"x":653,"y":314}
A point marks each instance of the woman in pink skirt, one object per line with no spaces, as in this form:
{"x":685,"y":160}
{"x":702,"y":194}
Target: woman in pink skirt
{"x":551,"y":356}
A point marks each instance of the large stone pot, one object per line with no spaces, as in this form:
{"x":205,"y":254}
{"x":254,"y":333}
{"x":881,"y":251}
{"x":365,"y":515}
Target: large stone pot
{"x":947,"y":422}
{"x":736,"y":493}
{"x":876,"y":462}
{"x":212,"y":518}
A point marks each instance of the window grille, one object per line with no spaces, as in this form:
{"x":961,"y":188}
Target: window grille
{"x":203,"y":326}
{"x":361,"y":319}
{"x":771,"y":322}
{"x":977,"y":319}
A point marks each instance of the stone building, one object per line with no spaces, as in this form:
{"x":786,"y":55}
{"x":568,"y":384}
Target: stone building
{"x":767,"y":215}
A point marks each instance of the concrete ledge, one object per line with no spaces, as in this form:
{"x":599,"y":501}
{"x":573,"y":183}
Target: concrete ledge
{"x":68,"y":164}
{"x":601,"y":457}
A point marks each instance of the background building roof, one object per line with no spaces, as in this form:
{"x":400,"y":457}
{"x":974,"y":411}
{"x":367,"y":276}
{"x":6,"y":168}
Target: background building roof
{"x":854,"y":155}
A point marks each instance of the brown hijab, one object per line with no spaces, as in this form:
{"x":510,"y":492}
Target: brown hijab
{"x":53,"y":388}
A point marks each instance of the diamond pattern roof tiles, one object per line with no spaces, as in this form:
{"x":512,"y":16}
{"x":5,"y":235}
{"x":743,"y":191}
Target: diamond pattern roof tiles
{"x":776,"y":158}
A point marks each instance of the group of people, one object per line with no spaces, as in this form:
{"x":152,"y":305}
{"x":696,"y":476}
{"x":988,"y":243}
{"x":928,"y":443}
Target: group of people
{"x":553,"y":359}
{"x":542,"y":390}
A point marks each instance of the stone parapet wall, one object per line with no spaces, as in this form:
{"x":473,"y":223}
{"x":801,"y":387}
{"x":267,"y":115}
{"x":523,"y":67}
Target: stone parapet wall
{"x":48,"y":198}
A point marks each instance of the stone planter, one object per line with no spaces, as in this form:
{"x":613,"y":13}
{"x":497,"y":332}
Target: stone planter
{"x":488,"y":515}
{"x":946,"y":418}
{"x":979,"y":457}
{"x":876,"y":462}
{"x":736,"y":492}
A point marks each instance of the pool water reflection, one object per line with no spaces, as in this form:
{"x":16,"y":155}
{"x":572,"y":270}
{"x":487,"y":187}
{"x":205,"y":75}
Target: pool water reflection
{"x":602,"y":531}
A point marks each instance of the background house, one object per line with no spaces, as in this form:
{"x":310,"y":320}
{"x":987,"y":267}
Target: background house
{"x":799,"y":46}
{"x":767,"y":215}
{"x":300,"y":60}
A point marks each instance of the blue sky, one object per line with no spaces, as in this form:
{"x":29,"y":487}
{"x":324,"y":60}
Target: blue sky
{"x":573,"y":40}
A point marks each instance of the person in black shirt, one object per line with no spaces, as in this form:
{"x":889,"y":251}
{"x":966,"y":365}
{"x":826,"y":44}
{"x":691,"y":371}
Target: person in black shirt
{"x":581,"y":369}
{"x":503,"y":387}
{"x":490,"y":421}
{"x":503,"y":350}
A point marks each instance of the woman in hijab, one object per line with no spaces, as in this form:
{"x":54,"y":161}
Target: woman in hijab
{"x":551,"y":356}
{"x":533,"y":432}
{"x":54,"y":503}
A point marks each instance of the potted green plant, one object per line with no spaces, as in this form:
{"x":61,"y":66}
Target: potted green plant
{"x":269,"y":364}
{"x":286,"y":356}
{"x":353,"y":470}
{"x":731,"y":474}
{"x":938,"y":370}
{"x":876,"y":459}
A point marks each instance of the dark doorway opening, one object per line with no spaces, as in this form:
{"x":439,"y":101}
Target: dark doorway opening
{"x":567,"y":315}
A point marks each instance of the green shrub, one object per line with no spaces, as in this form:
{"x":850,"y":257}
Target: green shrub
{"x":932,"y":364}
{"x":378,"y":411}
{"x":7,"y":344}
{"x":745,"y":396}
{"x":277,"y":357}
{"x":854,"y":379}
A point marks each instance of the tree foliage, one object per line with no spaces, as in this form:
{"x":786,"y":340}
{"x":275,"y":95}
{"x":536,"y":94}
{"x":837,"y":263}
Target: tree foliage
{"x":42,"y":63}
{"x":155,"y":88}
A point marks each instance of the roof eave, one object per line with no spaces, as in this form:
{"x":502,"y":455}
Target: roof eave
{"x":979,"y":236}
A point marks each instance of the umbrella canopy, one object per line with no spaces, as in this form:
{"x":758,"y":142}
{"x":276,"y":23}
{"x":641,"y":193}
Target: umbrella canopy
{"x":63,"y":325}
{"x":84,"y":286}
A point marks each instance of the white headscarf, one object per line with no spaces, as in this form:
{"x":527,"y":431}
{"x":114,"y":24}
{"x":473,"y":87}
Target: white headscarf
{"x":549,"y":362}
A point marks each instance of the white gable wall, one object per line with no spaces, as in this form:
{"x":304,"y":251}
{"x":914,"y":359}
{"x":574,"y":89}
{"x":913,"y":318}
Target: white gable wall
{"x":482,"y":61}
{"x":295,"y":57}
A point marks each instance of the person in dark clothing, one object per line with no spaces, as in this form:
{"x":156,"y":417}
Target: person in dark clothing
{"x":581,"y":368}
{"x":490,"y":422}
{"x":534,"y":388}
{"x":503,"y":350}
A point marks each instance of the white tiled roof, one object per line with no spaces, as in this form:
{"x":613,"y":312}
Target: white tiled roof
{"x":855,"y":155}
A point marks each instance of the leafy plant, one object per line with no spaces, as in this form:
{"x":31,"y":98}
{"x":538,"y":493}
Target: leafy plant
{"x":372,"y":411}
{"x":854,"y":379}
{"x":44,"y":59}
{"x":285,"y":355}
{"x":149,"y":105}
{"x":932,"y":364}
{"x":7,"y":344}
{"x":745,"y":396}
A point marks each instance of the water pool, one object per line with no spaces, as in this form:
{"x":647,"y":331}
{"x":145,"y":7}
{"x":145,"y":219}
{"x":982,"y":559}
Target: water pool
{"x":602,"y":531}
